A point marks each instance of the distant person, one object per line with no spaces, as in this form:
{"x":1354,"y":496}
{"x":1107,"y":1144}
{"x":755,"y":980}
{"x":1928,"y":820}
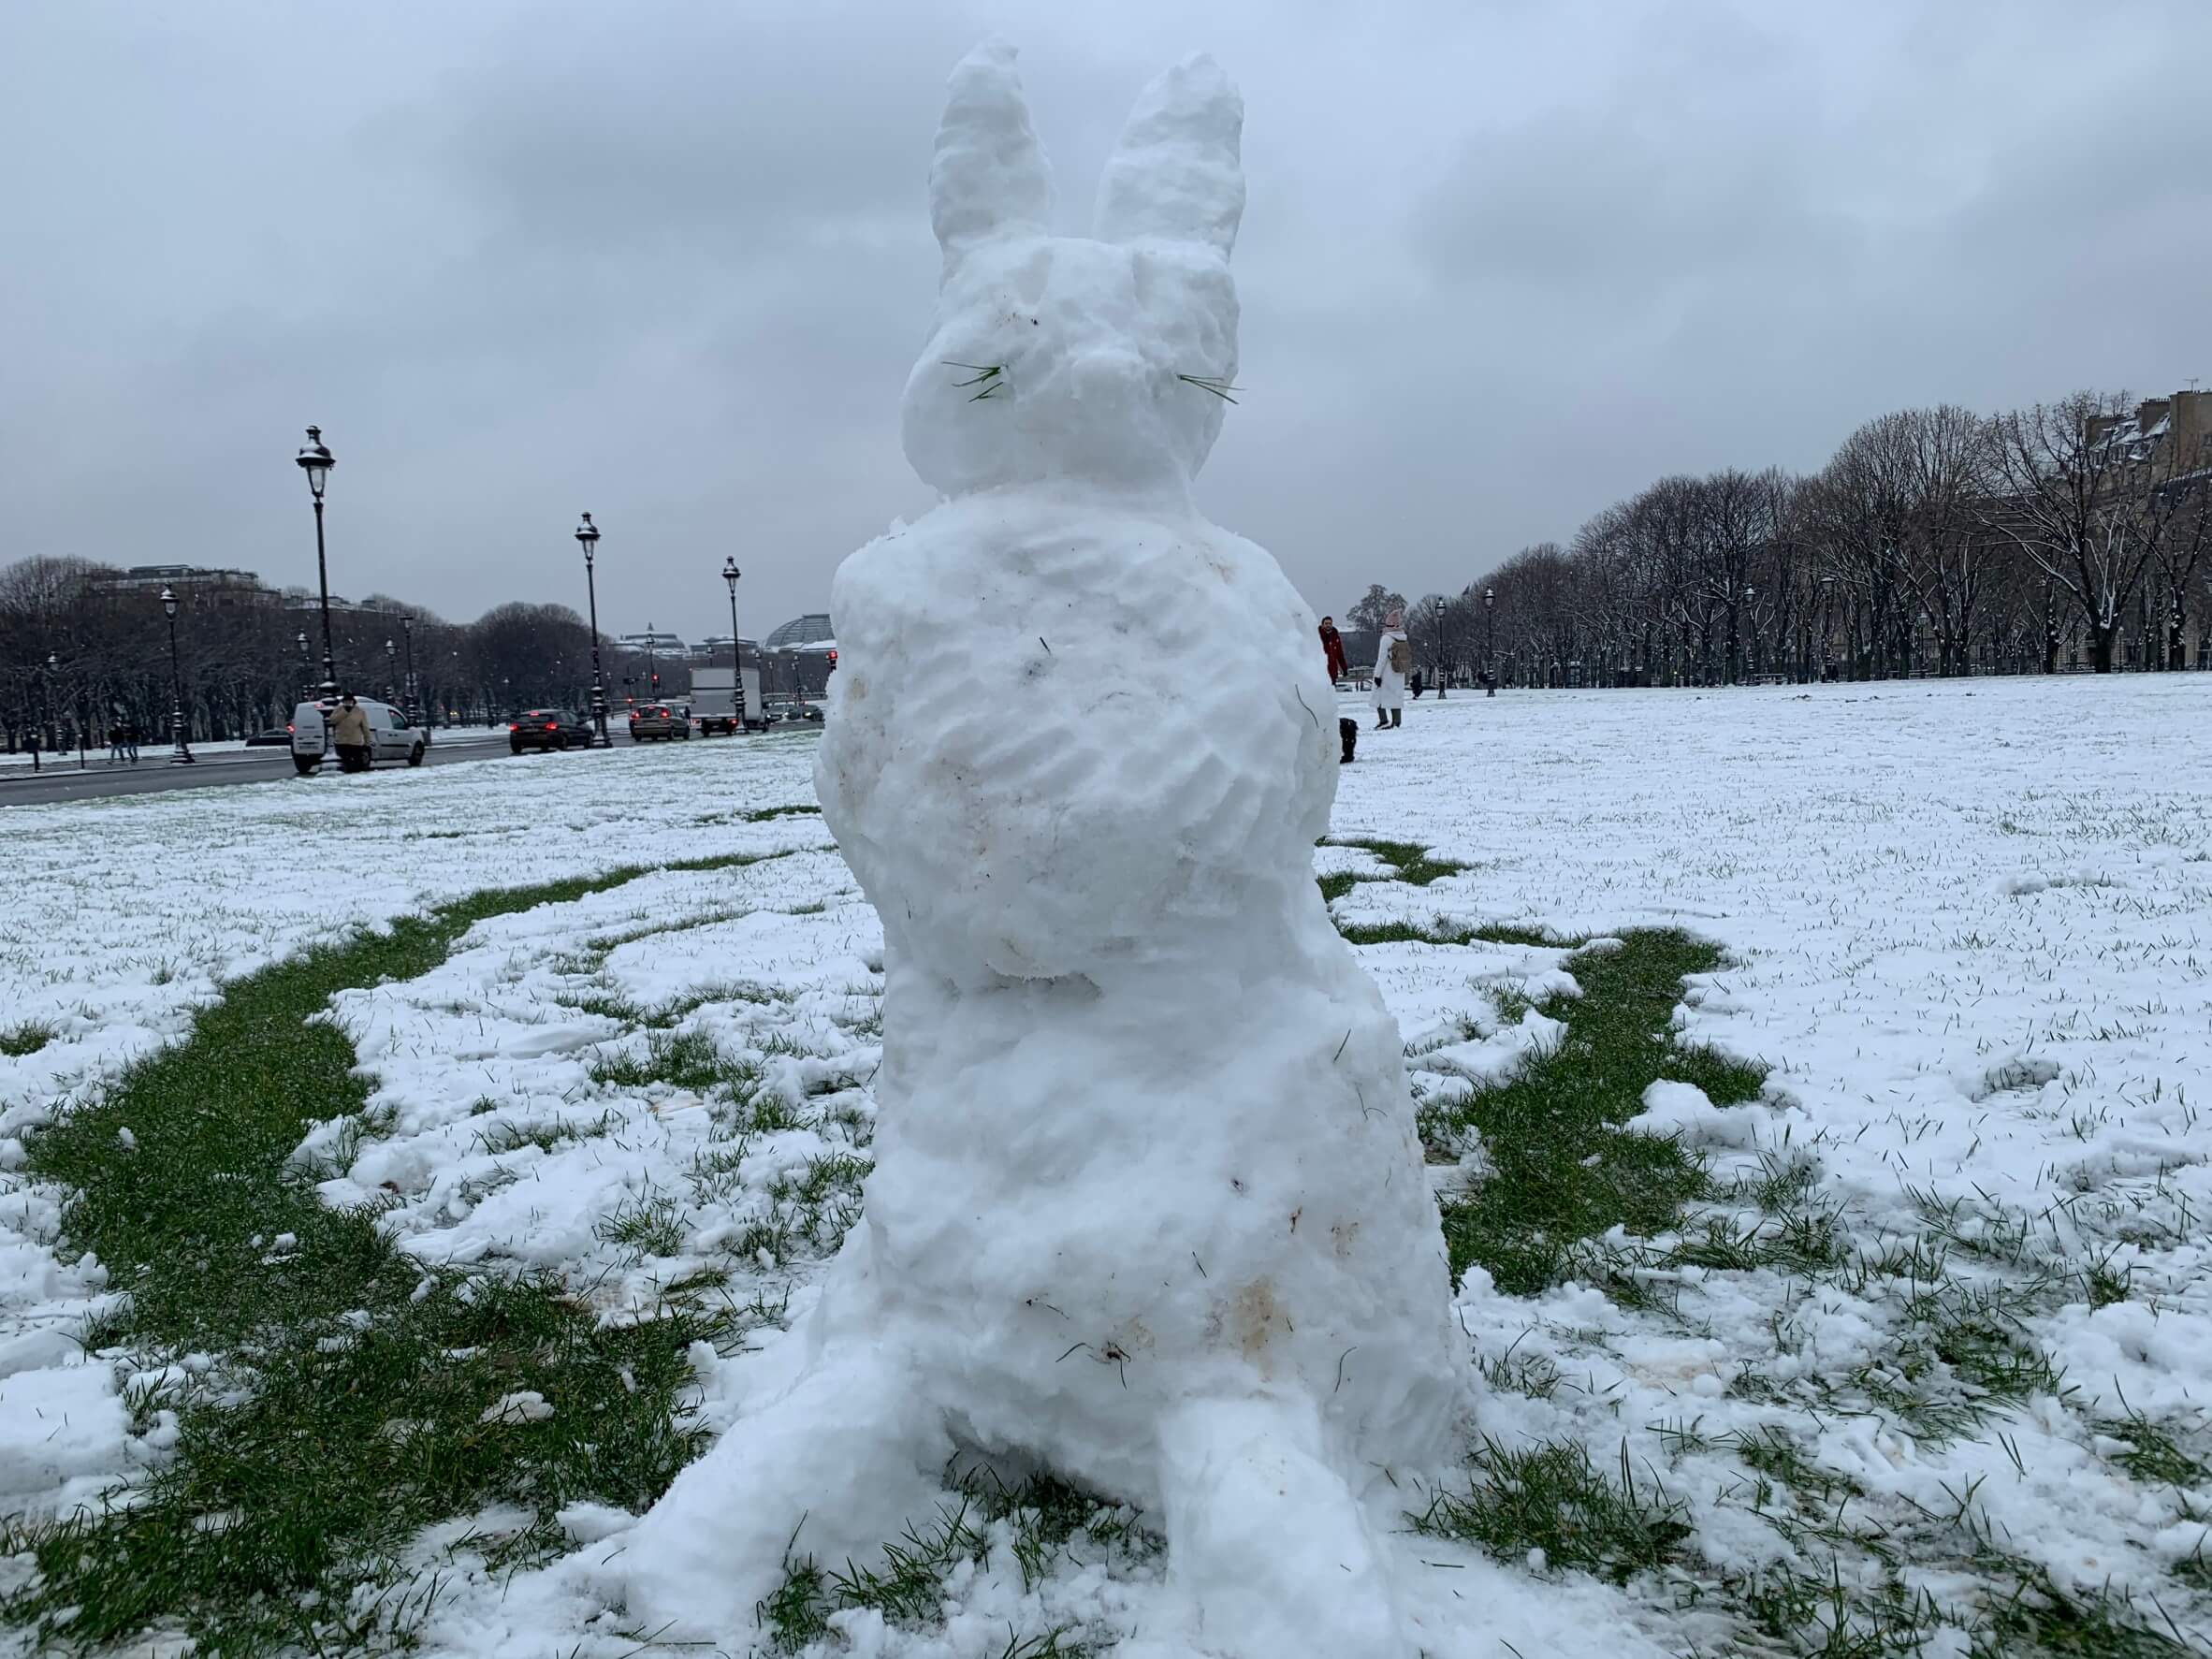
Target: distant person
{"x":130,"y":741}
{"x":1417,"y":684}
{"x":115,"y":743}
{"x":349,"y":735}
{"x":1333,"y":649}
{"x":1394,"y":661}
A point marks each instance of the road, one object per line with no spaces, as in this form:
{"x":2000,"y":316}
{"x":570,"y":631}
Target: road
{"x":61,"y":780}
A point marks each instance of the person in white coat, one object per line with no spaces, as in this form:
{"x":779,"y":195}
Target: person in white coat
{"x":1394,"y":659}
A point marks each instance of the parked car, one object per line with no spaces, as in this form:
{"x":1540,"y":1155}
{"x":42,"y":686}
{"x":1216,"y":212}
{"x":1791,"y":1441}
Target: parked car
{"x":275,"y":737}
{"x":391,"y":736}
{"x":659,"y":722}
{"x":549,"y":728}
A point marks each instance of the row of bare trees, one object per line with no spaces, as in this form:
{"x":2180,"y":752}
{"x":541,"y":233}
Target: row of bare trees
{"x":82,"y":651}
{"x":2075,"y":534}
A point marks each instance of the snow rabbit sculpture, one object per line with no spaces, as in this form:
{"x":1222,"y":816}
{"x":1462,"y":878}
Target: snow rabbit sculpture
{"x":1148,"y":1208}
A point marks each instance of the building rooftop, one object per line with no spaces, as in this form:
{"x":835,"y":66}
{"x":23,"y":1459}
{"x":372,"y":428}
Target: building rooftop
{"x":799,"y":630}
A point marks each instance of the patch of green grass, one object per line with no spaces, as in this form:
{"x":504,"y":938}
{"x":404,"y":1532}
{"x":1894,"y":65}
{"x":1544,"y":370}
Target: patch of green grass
{"x":1043,"y":1515}
{"x":2153,"y":1454}
{"x":764,"y":814}
{"x":683,"y":1060}
{"x":1335,"y":886}
{"x":646,"y":1226}
{"x":814,"y":1208}
{"x":352,"y":1400}
{"x":26,"y":1038}
{"x":2196,"y":1569}
{"x":1549,"y":1497}
{"x":1774,"y":1454}
{"x":1411,"y":861}
{"x":2033,"y":1615}
{"x":1562,"y":1171}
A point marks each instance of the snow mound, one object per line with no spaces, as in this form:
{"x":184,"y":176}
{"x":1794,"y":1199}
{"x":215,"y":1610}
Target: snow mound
{"x":1683,"y":1109}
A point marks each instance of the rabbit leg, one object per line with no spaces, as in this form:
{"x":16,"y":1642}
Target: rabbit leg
{"x":842,"y":1461}
{"x":1267,"y":1540}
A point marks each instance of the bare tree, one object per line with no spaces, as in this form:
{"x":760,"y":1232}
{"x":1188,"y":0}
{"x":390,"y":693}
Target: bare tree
{"x":1368,"y":611}
{"x":2077,"y":498}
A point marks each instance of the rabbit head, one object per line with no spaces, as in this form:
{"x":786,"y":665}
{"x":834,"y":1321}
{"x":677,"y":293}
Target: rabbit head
{"x":1101,"y":360}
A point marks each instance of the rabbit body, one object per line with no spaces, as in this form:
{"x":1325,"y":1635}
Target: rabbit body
{"x":1144,"y":1133}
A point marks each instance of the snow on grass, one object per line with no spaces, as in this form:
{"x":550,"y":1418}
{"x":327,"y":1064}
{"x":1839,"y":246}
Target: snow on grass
{"x":1813,"y":1083}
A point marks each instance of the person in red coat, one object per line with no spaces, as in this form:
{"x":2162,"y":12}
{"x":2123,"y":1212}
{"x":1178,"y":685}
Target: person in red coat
{"x":1332,"y":646}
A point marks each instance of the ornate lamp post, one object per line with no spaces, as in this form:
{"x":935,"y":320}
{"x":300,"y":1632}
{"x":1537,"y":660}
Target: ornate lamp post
{"x":653,"y":669}
{"x":587,"y":538}
{"x":391,"y":664}
{"x":182,"y":755}
{"x":407,"y":630}
{"x":1490,"y":641}
{"x":54,"y":671}
{"x":315,"y":461}
{"x":730,"y":575}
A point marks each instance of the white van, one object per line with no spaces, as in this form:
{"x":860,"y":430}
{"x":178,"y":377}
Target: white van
{"x":391,"y":737}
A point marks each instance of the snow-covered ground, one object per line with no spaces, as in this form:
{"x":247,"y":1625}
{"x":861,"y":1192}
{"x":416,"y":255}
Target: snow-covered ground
{"x":1967,"y":926}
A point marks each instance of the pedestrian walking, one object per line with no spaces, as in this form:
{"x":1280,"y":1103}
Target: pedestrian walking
{"x":1333,"y":649}
{"x":114,"y":742}
{"x":349,"y":735}
{"x":130,"y":741}
{"x":1419,"y":683}
{"x":1394,"y":661}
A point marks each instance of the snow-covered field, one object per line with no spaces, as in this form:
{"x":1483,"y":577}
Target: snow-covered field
{"x":1968,"y":929}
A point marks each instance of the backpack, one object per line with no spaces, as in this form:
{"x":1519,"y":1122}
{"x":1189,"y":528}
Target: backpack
{"x":1401,"y":655}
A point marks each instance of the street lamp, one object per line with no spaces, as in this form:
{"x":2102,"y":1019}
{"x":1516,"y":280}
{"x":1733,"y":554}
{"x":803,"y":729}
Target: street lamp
{"x":587,"y":538}
{"x":407,"y":630}
{"x":183,"y":757}
{"x":652,"y":670}
{"x":1490,"y":641}
{"x":54,"y":671}
{"x":314,"y":460}
{"x":391,"y":664}
{"x":730,"y":575}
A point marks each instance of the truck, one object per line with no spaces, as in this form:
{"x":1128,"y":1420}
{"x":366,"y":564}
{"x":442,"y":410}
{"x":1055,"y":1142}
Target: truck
{"x":715,"y":708}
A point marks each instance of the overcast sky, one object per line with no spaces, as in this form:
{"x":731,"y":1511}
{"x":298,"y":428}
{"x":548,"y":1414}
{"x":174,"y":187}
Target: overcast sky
{"x":1503,"y":261}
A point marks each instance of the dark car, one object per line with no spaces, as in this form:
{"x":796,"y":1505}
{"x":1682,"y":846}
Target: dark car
{"x":549,"y":728}
{"x":275,"y":737}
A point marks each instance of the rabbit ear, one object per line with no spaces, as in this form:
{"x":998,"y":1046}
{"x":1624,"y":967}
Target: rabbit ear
{"x":988,"y":173}
{"x":1176,"y":175}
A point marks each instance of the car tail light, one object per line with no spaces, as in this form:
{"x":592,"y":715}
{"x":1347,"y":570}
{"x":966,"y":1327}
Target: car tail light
{"x":288,"y":725}
{"x":514,"y":725}
{"x":552,"y":726}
